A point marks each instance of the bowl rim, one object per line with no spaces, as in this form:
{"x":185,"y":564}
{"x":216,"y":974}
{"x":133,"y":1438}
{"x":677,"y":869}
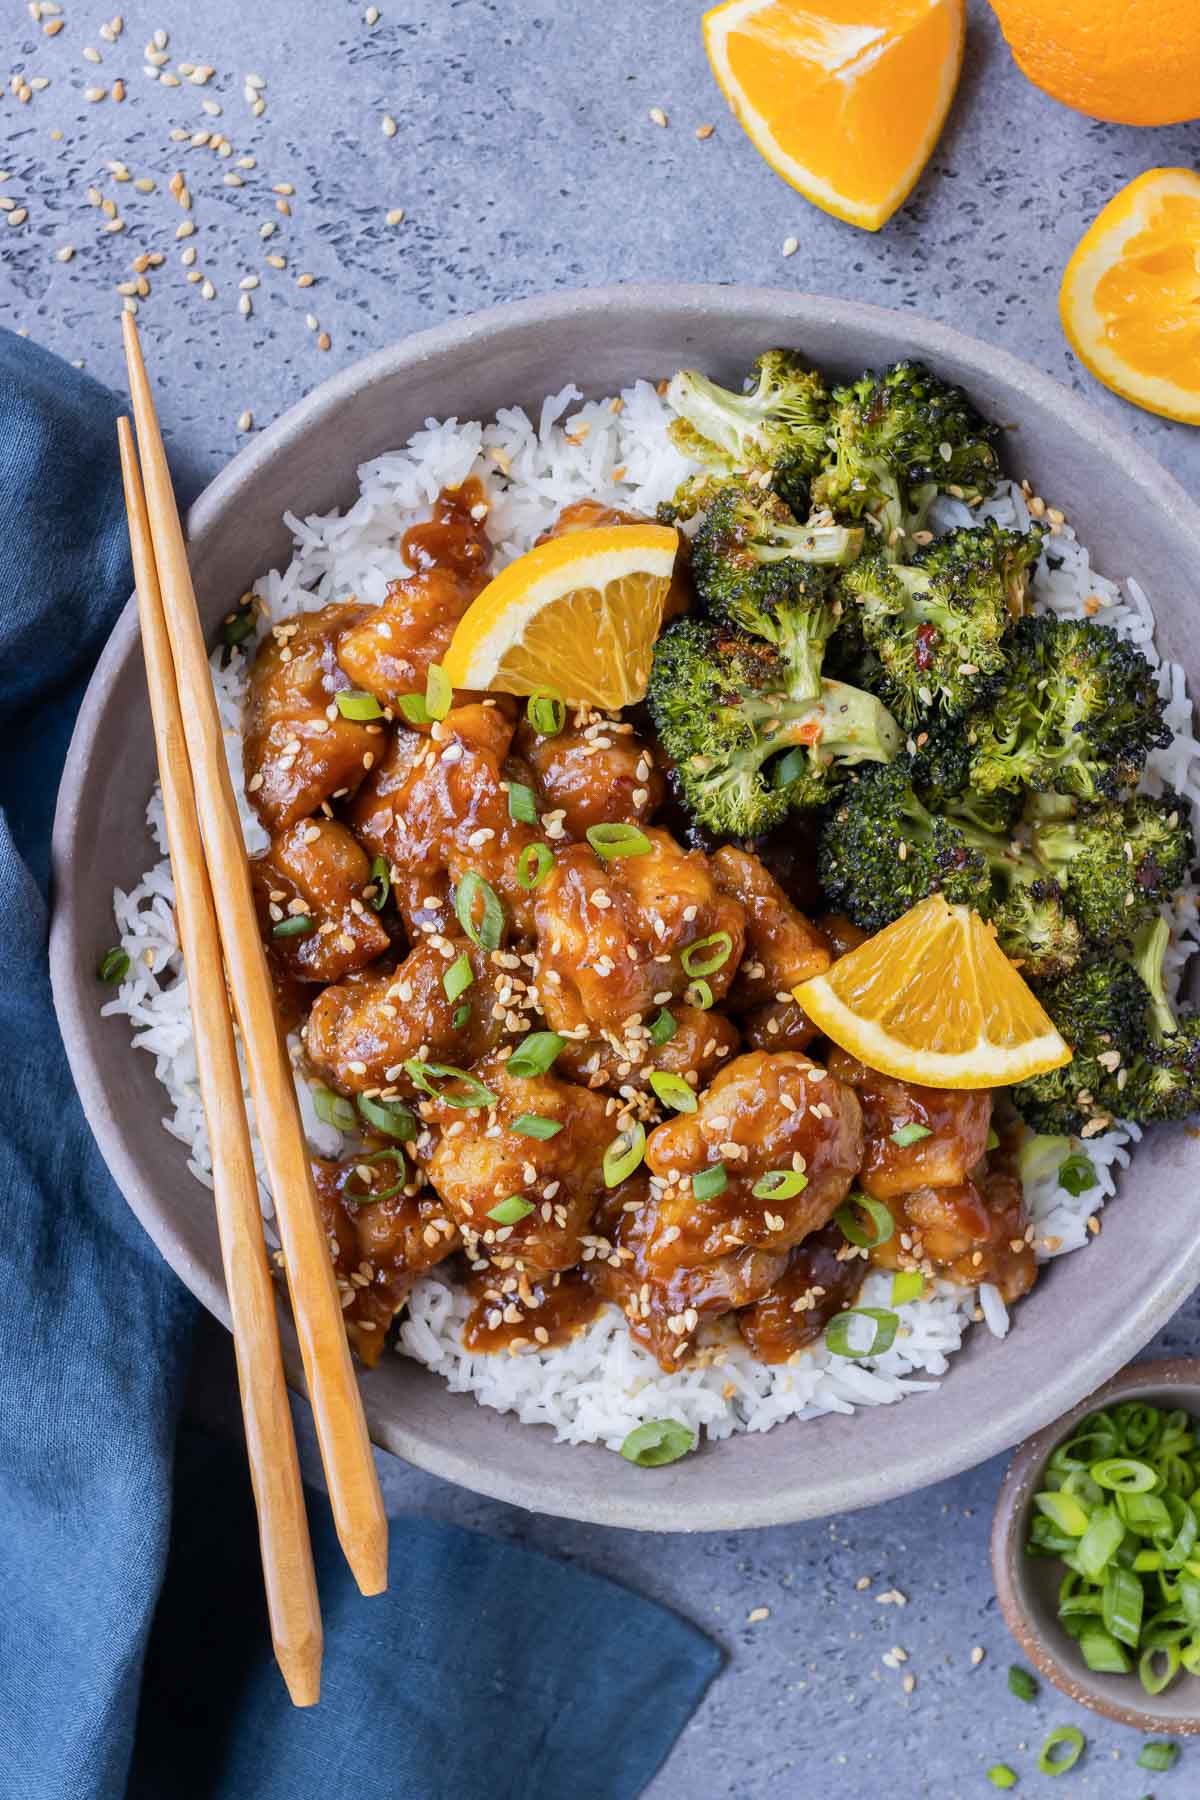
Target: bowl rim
{"x":455,"y":1462}
{"x":1008,"y":1529}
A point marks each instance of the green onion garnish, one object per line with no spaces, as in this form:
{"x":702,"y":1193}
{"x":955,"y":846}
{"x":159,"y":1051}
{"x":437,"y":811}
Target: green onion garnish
{"x":1063,"y":1510}
{"x":1124,"y":1475}
{"x":367,"y":1195}
{"x":837,"y":1332}
{"x":461,"y":1015}
{"x":1021,"y":1683}
{"x":391,"y":1117}
{"x":719,"y":946}
{"x":534,"y":1054}
{"x":624,"y":1155}
{"x":708,"y":1183}
{"x":423,"y":1075}
{"x":674,"y":1092}
{"x":238,"y":625}
{"x":510,"y":1211}
{"x":113,"y":966}
{"x":1001,"y":1776}
{"x":658,"y":1441}
{"x":522,"y":803}
{"x":1076,"y":1174}
{"x":490,"y":927}
{"x":355,"y":703}
{"x":332,"y":1109}
{"x":438,"y":692}
{"x":458,"y":977}
{"x":546,"y":711}
{"x":882,"y":1223}
{"x":993,"y":1139}
{"x":1071,"y":1739}
{"x":533,"y":865}
{"x":413,"y":709}
{"x":618,"y":840}
{"x":912,"y":1133}
{"x":663,"y":1027}
{"x":535,"y":1125}
{"x":779,"y":1184}
{"x":699,"y":995}
{"x":907,"y":1284}
{"x":381,"y":876}
{"x":295,"y":925}
{"x":1158,"y":1757}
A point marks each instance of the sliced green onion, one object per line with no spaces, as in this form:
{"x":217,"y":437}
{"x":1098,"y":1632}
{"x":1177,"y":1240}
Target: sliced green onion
{"x":367,"y":1196}
{"x":490,"y":927}
{"x":624,"y":1155}
{"x":381,"y":875}
{"x":238,"y":625}
{"x":423,"y":1075}
{"x":295,"y":925}
{"x":1076,"y":1174}
{"x":332,"y":1109}
{"x":390,"y":1117}
{"x":1071,"y":1740}
{"x":1101,"y":1540}
{"x":546,"y":711}
{"x":674,"y":1091}
{"x":1158,"y":1667}
{"x":993,"y":1139}
{"x":1021,"y":1683}
{"x":618,"y":840}
{"x":1102,"y":1653}
{"x":699,"y":995}
{"x":533,"y":865}
{"x":1121,"y":1608}
{"x":779,"y":1184}
{"x":1001,"y":1776}
{"x":413,"y":709}
{"x":657,"y":1442}
{"x":907,"y":1284}
{"x":790,"y":767}
{"x":113,"y":966}
{"x":720,"y":947}
{"x":1064,"y":1511}
{"x":882,"y":1223}
{"x":510,"y":1211}
{"x":535,"y":1125}
{"x":461,"y":1015}
{"x":837,"y":1332}
{"x":1124,"y":1475}
{"x":534,"y":1054}
{"x":355,"y":703}
{"x":522,"y":803}
{"x":1158,"y":1757}
{"x":458,"y":977}
{"x":912,"y":1133}
{"x":663,"y":1027}
{"x":708,"y":1183}
{"x":438,"y":693}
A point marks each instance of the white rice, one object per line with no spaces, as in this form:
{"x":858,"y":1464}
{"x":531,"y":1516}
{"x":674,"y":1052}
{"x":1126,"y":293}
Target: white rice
{"x":603,"y":1384}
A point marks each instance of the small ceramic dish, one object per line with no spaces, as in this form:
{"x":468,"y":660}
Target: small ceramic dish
{"x":1027,"y":1586}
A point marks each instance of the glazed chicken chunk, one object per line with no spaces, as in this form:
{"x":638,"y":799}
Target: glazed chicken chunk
{"x":390,"y":652}
{"x":596,"y":773}
{"x":819,"y":1282}
{"x":482,"y":1160}
{"x":311,"y":890}
{"x":360,"y":1033}
{"x":915,"y":1136}
{"x":699,"y":1043}
{"x":299,"y":750}
{"x":783,"y":948}
{"x":973,"y":1231}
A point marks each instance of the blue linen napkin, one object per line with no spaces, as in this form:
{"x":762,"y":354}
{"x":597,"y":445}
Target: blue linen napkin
{"x":134,"y":1656}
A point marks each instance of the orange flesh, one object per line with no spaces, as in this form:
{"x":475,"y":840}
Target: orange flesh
{"x":1150,"y":299}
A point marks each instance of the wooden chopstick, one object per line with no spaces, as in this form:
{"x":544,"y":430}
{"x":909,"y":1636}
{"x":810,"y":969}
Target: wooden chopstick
{"x":337,"y":1405}
{"x":288,"y":1572}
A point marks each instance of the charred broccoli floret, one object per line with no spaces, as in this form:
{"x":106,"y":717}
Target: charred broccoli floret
{"x":1077,"y":714}
{"x":778,"y":424}
{"x":1165,"y":1082}
{"x":899,"y":439}
{"x":941,"y":765}
{"x":1101,"y":1010}
{"x":745,"y":750}
{"x":939,"y":624}
{"x":1118,"y":862}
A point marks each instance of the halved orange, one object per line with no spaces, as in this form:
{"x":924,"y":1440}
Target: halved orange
{"x":579,"y":613}
{"x":844,"y":98}
{"x":933,"y":999}
{"x":1130,"y":297}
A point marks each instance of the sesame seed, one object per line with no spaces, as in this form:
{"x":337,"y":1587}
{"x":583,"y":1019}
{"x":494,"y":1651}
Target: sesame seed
{"x":790,"y":246}
{"x":389,"y":126}
{"x":658,"y":117}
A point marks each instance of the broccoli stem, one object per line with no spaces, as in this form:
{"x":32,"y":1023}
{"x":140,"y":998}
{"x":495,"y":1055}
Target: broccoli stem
{"x":1149,"y":950}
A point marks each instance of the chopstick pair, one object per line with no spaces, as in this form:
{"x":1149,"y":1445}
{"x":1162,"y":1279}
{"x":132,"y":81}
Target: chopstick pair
{"x":219,"y":938}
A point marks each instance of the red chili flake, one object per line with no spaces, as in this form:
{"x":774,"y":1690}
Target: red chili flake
{"x":927,"y":638}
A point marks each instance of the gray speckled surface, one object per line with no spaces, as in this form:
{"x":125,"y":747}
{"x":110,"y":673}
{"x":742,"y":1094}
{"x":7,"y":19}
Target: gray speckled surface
{"x":524,"y":159}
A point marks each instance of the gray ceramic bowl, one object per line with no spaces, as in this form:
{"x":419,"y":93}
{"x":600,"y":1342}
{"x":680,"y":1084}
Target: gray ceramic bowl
{"x":1028,"y":1586}
{"x":1091,"y":1313}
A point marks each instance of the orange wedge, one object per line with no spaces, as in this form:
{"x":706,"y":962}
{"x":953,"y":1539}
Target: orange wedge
{"x":578,"y":613}
{"x":844,"y":98}
{"x":1130,"y":297}
{"x":933,"y":999}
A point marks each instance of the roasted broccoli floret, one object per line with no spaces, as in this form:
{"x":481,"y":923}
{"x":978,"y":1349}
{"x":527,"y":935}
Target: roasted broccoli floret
{"x":744,"y":749}
{"x":1118,"y":862}
{"x":899,"y":439}
{"x":1035,"y":929}
{"x":1077,"y":714}
{"x":941,"y":765}
{"x":1101,"y":1010}
{"x":1165,"y":1082}
{"x":778,"y":424}
{"x":939,"y":624}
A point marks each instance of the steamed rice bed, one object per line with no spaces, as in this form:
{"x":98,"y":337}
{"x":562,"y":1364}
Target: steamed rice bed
{"x":603,"y":1384}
